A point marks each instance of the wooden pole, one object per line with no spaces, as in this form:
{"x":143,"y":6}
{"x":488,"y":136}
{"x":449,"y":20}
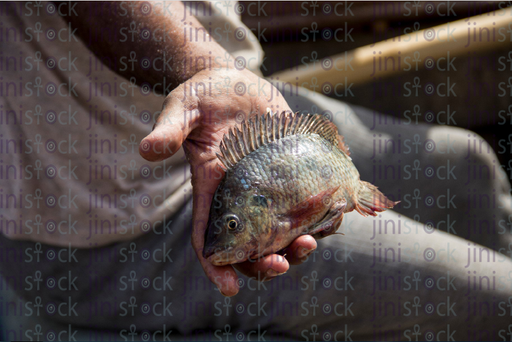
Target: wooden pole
{"x":362,"y":64}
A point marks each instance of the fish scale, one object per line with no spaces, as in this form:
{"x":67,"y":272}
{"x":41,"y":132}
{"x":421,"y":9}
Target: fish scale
{"x":263,"y":163}
{"x":286,"y":175}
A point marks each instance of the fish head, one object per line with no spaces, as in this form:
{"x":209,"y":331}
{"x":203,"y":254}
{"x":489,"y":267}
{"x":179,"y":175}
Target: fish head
{"x":238,"y":228}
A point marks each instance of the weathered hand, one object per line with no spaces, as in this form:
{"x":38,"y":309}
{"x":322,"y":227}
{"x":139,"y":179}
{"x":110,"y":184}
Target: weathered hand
{"x":196,"y":115}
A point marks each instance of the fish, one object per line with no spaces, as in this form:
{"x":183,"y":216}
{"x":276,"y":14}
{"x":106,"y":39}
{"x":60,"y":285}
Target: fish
{"x":286,"y":175}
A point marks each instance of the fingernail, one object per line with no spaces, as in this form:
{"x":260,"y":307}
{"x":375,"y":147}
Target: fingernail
{"x":305,"y":252}
{"x":272,"y":273}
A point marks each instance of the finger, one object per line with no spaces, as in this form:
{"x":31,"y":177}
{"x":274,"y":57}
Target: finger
{"x":224,"y":277}
{"x":264,"y":268}
{"x":180,"y":115}
{"x":297,"y":252}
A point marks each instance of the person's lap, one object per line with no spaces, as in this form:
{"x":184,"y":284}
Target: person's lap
{"x":384,"y":274}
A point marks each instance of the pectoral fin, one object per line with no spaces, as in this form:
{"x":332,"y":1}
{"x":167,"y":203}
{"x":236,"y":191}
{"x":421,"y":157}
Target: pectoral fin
{"x":330,"y":223}
{"x":311,"y":208}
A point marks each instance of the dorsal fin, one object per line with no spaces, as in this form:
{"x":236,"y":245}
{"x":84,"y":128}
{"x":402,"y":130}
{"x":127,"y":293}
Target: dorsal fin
{"x":267,"y":128}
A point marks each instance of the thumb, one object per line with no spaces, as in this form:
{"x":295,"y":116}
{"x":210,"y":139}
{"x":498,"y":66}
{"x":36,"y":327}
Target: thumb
{"x":180,"y":115}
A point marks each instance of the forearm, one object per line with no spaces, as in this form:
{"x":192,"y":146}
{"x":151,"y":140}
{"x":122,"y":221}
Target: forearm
{"x":153,"y":47}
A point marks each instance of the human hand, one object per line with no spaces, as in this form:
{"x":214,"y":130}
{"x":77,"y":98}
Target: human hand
{"x":197,"y":118}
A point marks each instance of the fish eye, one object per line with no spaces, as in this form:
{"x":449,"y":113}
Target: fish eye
{"x":232,"y":222}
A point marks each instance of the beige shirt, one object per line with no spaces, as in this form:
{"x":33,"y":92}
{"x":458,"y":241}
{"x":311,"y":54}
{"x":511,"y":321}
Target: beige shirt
{"x":70,"y":171}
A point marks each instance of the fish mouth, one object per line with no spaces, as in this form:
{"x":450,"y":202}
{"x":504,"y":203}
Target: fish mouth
{"x":220,"y":256}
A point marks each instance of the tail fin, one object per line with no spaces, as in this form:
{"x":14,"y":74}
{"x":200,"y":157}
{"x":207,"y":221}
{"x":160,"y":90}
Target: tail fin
{"x":371,"y":200}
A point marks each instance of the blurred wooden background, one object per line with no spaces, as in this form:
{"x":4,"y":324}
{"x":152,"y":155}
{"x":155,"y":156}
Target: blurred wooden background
{"x":293,"y":33}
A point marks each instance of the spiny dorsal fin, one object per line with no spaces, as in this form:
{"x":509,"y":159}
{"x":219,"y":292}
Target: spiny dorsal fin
{"x":267,"y":128}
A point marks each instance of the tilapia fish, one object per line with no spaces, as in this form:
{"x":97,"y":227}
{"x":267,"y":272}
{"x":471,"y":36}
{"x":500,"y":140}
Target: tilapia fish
{"x":286,"y":175}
